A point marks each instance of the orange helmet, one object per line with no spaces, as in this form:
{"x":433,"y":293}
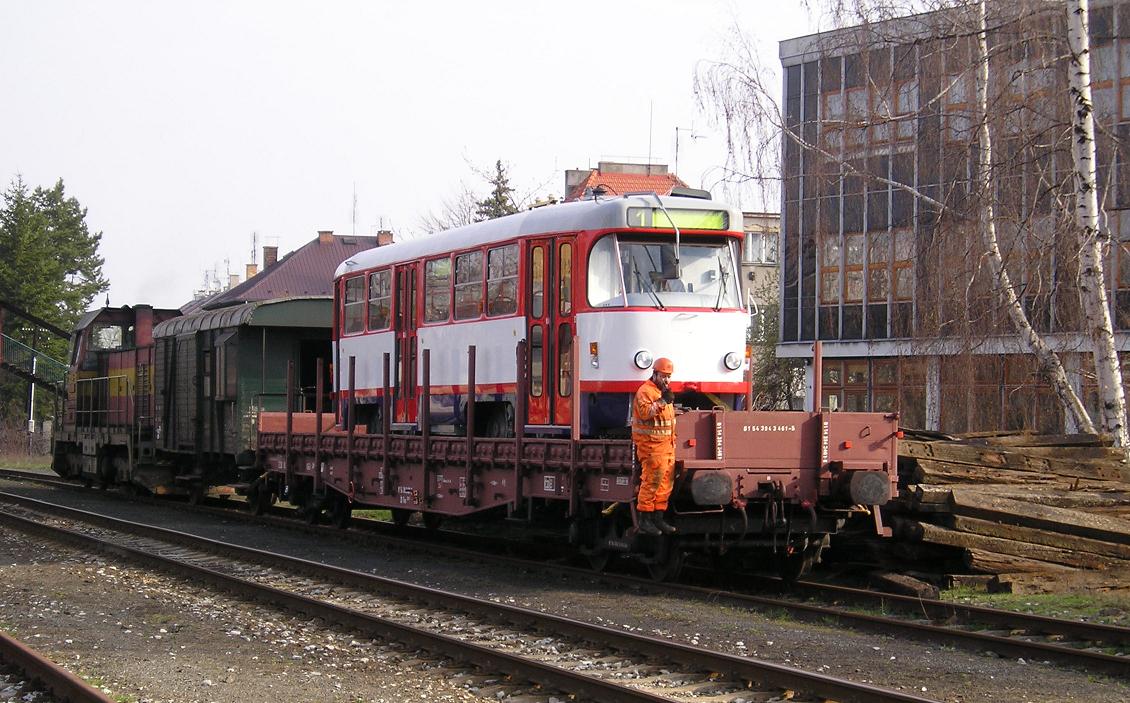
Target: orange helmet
{"x":664,"y":365}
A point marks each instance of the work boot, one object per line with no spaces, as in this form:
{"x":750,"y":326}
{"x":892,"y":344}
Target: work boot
{"x":657,"y":521}
{"x":646,"y":526}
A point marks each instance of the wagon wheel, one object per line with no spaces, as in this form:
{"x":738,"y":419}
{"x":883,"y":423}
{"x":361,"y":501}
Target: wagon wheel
{"x":340,"y":512}
{"x":791,"y":566}
{"x":259,"y":498}
{"x":311,"y":510}
{"x":196,"y":493}
{"x":669,"y":562}
{"x":598,"y":561}
{"x":432,"y":521}
{"x":401,"y":516}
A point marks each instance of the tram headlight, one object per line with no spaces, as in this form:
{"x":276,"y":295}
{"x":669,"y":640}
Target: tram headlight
{"x":733,"y":361}
{"x":643,"y":359}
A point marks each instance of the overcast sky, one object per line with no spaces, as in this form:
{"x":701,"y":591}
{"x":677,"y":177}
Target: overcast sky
{"x":186,"y":127}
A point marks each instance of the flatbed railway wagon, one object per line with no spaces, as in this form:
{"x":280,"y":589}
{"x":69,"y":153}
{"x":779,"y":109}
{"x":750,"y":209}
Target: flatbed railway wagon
{"x":488,"y":371}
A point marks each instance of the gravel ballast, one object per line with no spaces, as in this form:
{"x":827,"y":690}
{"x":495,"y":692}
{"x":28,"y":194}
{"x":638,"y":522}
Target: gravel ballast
{"x":157,"y":638}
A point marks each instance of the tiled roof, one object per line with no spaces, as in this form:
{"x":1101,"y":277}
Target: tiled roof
{"x":620,"y":183}
{"x":305,"y":272}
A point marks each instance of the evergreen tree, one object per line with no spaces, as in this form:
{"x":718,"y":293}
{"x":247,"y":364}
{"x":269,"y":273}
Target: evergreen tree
{"x":49,"y":263}
{"x":500,"y":202}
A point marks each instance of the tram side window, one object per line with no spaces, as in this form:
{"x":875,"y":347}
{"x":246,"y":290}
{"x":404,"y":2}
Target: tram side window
{"x":469,"y":285}
{"x":502,"y":280}
{"x":537,"y":352}
{"x":565,"y":291}
{"x":353,"y":314}
{"x":380,"y":300}
{"x":537,"y":281}
{"x":564,"y":362}
{"x":437,"y":290}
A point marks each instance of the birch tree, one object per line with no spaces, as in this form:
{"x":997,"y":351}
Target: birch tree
{"x":991,"y":253}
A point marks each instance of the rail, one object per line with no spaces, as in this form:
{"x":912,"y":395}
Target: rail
{"x":31,"y":362}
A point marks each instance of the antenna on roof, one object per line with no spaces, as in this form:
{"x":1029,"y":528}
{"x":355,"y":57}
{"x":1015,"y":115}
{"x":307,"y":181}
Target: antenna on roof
{"x":254,"y":245}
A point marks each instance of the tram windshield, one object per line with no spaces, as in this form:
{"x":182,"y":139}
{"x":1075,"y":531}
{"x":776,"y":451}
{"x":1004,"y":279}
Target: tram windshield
{"x":628,"y":270}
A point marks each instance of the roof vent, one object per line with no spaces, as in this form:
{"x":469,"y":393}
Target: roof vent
{"x":691,"y":193}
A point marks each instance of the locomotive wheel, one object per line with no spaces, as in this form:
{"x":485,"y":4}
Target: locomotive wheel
{"x":400,"y":516}
{"x":340,"y":512}
{"x":669,"y":562}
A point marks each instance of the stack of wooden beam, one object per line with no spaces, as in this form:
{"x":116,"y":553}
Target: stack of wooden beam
{"x":1019,"y":512}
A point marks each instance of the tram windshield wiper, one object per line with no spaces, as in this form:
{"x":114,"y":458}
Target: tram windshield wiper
{"x":721,"y":284}
{"x":645,"y":284}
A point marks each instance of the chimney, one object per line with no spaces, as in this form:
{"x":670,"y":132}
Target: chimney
{"x":143,"y":325}
{"x":271,"y":255}
{"x":251,"y":270}
{"x":233,"y":280}
{"x":325,"y":236}
{"x":384,"y":237}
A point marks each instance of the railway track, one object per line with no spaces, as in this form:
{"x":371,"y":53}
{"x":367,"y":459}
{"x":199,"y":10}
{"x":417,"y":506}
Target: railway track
{"x":27,"y":675}
{"x":573,"y":656}
{"x":1091,"y":646}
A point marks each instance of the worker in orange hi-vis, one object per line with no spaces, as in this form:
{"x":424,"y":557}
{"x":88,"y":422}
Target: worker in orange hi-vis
{"x":653,"y":433}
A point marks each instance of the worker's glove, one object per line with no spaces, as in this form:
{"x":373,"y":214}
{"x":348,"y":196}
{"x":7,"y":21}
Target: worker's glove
{"x":656,"y":407}
{"x":668,"y":396}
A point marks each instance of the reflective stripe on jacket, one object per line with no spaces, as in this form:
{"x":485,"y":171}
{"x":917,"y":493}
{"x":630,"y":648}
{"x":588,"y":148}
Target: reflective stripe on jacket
{"x":652,"y":431}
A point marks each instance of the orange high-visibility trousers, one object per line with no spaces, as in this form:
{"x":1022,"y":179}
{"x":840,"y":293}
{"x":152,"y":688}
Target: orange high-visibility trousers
{"x":657,"y":478}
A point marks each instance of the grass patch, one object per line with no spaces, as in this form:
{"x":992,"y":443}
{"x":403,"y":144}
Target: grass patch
{"x":26,"y":461}
{"x":385,"y":515}
{"x":1109,"y":608}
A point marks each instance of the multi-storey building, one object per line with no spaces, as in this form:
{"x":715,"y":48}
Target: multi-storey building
{"x":897,"y":287}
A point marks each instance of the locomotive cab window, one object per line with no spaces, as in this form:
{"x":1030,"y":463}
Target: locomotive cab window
{"x":469,"y":285}
{"x":437,"y":290}
{"x":353,"y":310}
{"x":502,"y":281}
{"x":380,"y":300}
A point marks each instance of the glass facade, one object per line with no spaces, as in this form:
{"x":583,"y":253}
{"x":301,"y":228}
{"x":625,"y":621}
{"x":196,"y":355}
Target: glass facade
{"x":863,"y":258}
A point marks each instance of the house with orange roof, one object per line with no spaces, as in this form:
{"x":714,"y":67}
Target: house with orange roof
{"x":615,"y":179}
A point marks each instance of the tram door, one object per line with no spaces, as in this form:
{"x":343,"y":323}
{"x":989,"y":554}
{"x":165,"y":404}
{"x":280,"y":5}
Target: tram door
{"x":550,"y":329}
{"x":404,"y":366}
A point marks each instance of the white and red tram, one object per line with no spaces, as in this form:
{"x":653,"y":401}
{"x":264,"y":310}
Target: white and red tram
{"x":625,"y":280}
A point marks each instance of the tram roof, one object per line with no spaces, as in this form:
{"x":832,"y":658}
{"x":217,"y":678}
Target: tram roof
{"x":574,"y":216}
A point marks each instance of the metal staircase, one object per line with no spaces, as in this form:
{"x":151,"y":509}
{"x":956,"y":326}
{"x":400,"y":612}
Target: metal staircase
{"x":32,"y":365}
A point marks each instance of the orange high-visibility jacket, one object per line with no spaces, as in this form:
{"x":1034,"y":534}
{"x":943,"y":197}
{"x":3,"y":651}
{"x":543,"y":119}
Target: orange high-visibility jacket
{"x":652,"y":432}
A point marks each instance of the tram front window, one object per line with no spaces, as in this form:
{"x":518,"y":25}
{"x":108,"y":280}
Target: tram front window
{"x":642,"y":272}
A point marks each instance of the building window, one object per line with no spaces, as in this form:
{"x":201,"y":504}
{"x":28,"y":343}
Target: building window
{"x":903,"y":264}
{"x":830,"y":270}
{"x":502,"y":280}
{"x":380,"y":300}
{"x":853,"y":268}
{"x":353,"y":317}
{"x":469,"y":285}
{"x":437,"y":290}
{"x":760,"y":248}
